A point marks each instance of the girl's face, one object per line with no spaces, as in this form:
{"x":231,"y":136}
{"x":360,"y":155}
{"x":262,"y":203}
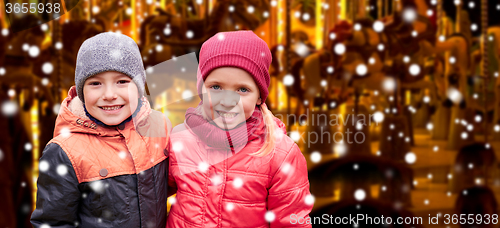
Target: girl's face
{"x":229,"y":96}
{"x":111,"y":97}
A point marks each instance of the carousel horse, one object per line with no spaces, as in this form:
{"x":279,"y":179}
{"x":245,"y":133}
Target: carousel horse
{"x":392,"y":180}
{"x":108,"y":12}
{"x":170,"y":31}
{"x":362,"y":47}
{"x":456,"y":62}
{"x":473,"y":166}
{"x":315,"y":81}
{"x":453,"y":46}
{"x":73,"y":33}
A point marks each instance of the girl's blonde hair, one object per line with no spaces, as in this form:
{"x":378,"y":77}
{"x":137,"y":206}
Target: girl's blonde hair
{"x":269,"y":139}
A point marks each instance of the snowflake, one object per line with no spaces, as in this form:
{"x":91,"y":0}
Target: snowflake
{"x":189,"y":34}
{"x":177,"y":147}
{"x":237,"y":183}
{"x":65,"y":132}
{"x":203,"y":166}
{"x":315,"y":157}
{"x":360,"y":194}
{"x":122,"y":154}
{"x":47,"y":68}
{"x":414,"y":69}
{"x":378,"y":26}
{"x":62,"y":169}
{"x":229,"y":206}
{"x":410,"y":158}
{"x":159,"y":48}
{"x":270,"y":216}
{"x":28,"y":146}
{"x":43,"y":166}
{"x":340,"y":49}
{"x":56,"y":108}
{"x":172,"y":200}
{"x":309,"y":199}
{"x":286,"y":168}
{"x":34,"y":51}
{"x":288,"y":80}
{"x":250,"y":9}
{"x":361,"y":69}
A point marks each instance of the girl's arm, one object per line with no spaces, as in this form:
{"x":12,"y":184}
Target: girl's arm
{"x":58,"y":195}
{"x":288,"y":192}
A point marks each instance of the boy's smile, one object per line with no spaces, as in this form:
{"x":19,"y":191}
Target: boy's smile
{"x":111,"y":97}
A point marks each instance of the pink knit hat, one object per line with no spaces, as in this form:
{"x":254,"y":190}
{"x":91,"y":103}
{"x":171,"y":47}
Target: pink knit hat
{"x":242,"y":49}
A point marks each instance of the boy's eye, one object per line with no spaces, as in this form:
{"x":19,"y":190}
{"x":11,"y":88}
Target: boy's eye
{"x":216,"y":87}
{"x":123,"y":81}
{"x":94,"y":83}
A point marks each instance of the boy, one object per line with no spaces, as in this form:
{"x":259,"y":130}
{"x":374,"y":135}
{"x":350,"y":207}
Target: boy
{"x":106,"y":165}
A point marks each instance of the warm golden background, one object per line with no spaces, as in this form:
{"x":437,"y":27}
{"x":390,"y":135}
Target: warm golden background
{"x":424,"y":73}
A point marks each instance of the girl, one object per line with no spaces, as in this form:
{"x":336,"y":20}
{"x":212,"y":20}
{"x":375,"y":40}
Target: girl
{"x":231,"y":162}
{"x":105,"y":166}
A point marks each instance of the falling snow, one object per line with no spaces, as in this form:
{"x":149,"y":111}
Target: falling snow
{"x":43,"y":166}
{"x":270,"y":216}
{"x":62,"y":169}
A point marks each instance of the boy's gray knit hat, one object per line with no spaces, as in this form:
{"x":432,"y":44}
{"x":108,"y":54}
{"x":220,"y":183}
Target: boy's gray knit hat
{"x":109,"y":52}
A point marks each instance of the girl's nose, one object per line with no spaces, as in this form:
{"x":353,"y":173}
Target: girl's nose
{"x":230,"y":98}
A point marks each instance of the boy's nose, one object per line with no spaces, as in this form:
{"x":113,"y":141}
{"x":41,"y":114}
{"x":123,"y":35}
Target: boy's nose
{"x":230,"y":98}
{"x":109,"y":94}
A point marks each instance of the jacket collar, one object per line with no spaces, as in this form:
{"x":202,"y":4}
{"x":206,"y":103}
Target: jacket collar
{"x":280,"y":129}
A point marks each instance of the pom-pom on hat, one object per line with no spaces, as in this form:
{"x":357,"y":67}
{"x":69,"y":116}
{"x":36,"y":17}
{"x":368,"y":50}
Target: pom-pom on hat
{"x":242,"y":49}
{"x":109,"y":52}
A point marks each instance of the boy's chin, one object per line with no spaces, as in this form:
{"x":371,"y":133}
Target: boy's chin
{"x":112,"y":122}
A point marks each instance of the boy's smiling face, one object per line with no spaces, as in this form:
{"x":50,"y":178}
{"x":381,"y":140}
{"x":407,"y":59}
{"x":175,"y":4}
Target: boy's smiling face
{"x":111,"y":97}
{"x":231,"y":98}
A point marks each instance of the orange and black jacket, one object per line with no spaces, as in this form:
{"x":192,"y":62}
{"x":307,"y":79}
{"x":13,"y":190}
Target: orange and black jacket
{"x":97,"y":176}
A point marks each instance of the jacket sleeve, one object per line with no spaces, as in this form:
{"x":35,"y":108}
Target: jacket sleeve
{"x":58,"y":195}
{"x":172,"y":185}
{"x":289,"y":198}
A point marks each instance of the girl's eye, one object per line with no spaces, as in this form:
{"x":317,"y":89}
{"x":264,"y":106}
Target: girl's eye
{"x":244,"y":90}
{"x":215,"y":87}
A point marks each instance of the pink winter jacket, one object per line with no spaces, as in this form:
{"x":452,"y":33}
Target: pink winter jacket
{"x":218,"y":189}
